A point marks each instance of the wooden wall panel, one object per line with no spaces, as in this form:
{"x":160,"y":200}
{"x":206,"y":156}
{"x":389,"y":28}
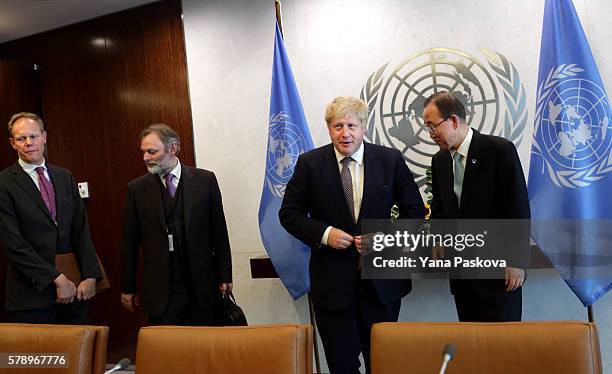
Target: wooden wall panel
{"x":102,"y":82}
{"x":19,"y":91}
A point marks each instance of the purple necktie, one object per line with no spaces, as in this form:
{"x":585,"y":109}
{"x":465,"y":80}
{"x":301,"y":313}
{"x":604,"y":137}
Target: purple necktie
{"x":46,"y":191}
{"x":169,"y":185}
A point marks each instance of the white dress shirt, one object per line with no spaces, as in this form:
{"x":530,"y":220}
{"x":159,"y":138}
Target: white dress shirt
{"x":356,"y":168}
{"x":176,"y":171}
{"x":463,"y":149}
{"x":31,"y":170}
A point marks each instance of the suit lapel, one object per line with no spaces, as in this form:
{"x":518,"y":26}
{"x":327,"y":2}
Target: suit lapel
{"x":27,"y":184}
{"x":331,"y":175}
{"x":57,"y":187}
{"x":153,"y":192}
{"x":188,"y":185}
{"x":371,"y":170}
{"x":471,"y":169}
{"x":446,"y":181}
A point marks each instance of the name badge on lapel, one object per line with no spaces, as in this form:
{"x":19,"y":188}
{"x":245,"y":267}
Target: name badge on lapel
{"x":170,"y":243}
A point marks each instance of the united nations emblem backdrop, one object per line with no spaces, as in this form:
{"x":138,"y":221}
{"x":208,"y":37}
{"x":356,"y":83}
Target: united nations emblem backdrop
{"x":488,"y":85}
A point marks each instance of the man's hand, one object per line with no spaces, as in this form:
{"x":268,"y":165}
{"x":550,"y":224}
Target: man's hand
{"x":338,"y":239}
{"x":129,"y":301}
{"x":514,"y":278}
{"x":437,"y":252}
{"x":65,"y":289}
{"x":86,"y":289}
{"x":226,"y":288}
{"x":364,"y":243}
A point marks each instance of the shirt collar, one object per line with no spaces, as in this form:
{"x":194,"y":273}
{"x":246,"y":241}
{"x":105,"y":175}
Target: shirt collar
{"x":465,"y":144}
{"x":176,"y":171}
{"x":357,"y":156}
{"x":29,"y":168}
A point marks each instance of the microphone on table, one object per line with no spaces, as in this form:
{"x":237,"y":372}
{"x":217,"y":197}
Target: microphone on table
{"x":447,"y":354}
{"x":122,"y":364}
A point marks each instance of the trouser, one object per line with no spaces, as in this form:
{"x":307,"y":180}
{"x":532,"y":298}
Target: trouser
{"x":502,"y":307}
{"x":74,"y":313}
{"x":182,"y":308}
{"x":346,"y":333}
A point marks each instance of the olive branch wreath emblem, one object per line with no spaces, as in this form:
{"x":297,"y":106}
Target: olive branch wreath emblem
{"x":507,"y":76}
{"x":564,"y":178}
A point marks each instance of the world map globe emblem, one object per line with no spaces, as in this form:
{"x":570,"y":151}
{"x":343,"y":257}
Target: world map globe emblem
{"x":574,"y":130}
{"x":400,"y":109}
{"x":285,"y":143}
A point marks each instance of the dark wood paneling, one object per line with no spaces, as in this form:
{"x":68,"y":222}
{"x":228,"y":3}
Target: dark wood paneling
{"x":19,"y":91}
{"x":102,"y":82}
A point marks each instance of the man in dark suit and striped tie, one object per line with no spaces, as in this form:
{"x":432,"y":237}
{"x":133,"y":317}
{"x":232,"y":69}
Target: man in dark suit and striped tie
{"x":333,"y":189}
{"x":41,"y":215}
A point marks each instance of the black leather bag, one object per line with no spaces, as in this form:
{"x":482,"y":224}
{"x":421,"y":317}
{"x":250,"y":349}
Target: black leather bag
{"x":231,"y":314}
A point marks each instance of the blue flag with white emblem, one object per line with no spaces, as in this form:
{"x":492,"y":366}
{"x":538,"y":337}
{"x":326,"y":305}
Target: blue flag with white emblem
{"x":288,"y":137}
{"x":570,"y":175}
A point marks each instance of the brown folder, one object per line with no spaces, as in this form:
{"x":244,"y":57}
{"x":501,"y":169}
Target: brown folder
{"x":67,"y":264}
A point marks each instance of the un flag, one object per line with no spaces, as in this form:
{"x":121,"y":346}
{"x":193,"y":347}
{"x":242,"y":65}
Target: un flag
{"x":570,"y":175}
{"x":288,"y":137}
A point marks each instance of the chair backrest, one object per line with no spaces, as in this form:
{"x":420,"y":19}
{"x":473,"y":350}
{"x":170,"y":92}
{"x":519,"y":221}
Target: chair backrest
{"x":515,"y":347}
{"x":282,"y":349}
{"x":85,"y":345}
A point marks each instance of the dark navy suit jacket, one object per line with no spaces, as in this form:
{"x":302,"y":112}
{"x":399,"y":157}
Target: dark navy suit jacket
{"x":314,"y":199}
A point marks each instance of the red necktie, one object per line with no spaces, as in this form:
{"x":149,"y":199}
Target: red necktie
{"x":47,"y":192}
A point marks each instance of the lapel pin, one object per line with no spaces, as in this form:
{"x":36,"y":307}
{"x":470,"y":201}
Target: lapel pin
{"x":474,"y":161}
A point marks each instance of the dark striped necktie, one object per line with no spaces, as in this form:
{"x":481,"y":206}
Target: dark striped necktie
{"x":347,"y":184}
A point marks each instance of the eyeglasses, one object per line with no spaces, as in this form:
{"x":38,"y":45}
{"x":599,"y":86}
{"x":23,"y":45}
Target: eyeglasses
{"x":432,"y":128}
{"x":23,"y":139}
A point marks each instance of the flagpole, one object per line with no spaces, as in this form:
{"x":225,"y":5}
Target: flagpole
{"x":590,"y":312}
{"x":314,"y":333}
{"x":279,"y":21}
{"x":279,"y":17}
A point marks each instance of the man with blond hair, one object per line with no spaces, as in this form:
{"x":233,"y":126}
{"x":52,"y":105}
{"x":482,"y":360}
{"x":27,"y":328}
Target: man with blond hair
{"x":42,"y":215}
{"x":333,"y":189}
